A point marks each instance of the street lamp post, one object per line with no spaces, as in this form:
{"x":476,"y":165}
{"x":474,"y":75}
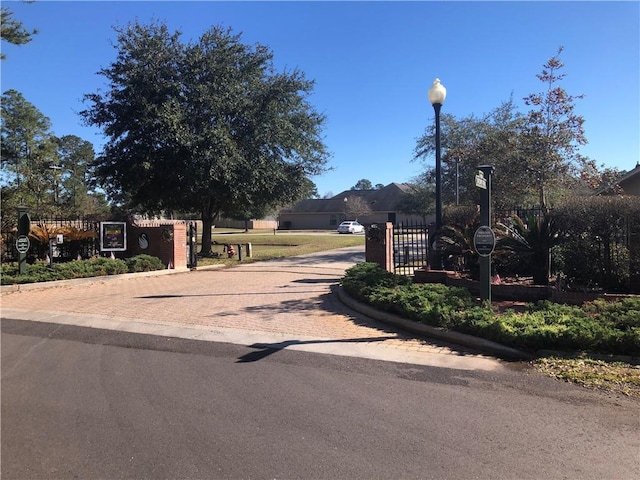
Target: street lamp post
{"x":437,"y":94}
{"x":56,"y":169}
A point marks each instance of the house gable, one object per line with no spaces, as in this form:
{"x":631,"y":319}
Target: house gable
{"x":629,"y":183}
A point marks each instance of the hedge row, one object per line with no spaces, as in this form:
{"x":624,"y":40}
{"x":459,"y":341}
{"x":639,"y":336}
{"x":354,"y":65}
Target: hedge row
{"x":597,"y":327}
{"x":94,"y":267}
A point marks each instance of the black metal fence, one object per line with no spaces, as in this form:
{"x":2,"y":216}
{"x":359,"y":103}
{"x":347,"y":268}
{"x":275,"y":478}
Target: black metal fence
{"x":410,"y":247}
{"x":505,"y":214}
{"x":81,"y":239}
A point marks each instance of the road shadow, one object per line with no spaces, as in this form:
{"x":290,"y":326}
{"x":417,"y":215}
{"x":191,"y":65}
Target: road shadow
{"x":314,"y":280}
{"x":239,"y":294}
{"x":266,"y":349}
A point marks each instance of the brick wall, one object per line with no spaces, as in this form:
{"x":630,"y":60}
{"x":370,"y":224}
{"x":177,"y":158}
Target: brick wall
{"x":168,"y":242}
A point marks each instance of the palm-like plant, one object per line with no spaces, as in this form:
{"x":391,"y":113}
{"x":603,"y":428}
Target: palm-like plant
{"x":43,"y":232}
{"x":536,"y":237}
{"x":455,"y":240}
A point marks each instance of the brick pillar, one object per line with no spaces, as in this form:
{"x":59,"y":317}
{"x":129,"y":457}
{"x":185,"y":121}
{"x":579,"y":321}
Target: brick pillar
{"x":379,"y":245}
{"x":180,"y":245}
{"x":168,"y":242}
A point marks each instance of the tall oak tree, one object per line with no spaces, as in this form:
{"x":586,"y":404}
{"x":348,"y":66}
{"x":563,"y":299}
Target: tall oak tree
{"x":207,"y":126}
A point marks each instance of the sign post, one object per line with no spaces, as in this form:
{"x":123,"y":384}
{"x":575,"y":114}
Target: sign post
{"x":22,"y":243}
{"x":484,"y":239}
{"x":193,"y":246}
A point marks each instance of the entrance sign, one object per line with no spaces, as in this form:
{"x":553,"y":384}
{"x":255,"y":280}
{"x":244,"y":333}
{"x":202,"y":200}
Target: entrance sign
{"x":113,"y":236}
{"x":23,"y":244}
{"x":484,"y":241}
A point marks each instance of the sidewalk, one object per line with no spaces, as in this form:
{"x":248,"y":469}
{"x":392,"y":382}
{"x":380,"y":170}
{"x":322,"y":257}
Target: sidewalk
{"x":290,"y":303}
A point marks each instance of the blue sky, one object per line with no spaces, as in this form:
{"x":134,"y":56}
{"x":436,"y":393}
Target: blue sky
{"x":373,"y":63}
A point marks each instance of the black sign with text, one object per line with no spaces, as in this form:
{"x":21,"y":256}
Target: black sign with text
{"x":484,"y":241}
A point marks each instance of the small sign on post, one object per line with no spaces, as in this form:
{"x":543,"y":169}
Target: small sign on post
{"x":23,"y":244}
{"x":481,"y":181}
{"x":484,"y":241}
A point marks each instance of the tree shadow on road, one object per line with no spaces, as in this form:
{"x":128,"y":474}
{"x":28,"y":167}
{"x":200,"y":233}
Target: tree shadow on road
{"x":266,"y":349}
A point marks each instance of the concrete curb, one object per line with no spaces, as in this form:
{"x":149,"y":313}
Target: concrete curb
{"x":412,"y":326}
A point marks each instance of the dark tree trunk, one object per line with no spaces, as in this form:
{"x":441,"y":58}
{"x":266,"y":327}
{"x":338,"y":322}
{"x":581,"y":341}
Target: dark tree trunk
{"x":207,"y":223}
{"x":208,"y":216}
{"x":541,"y":267}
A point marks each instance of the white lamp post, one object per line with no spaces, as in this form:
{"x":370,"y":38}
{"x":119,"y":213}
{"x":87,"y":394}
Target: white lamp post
{"x":437,"y":94}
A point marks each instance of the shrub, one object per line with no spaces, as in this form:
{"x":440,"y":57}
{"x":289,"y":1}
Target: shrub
{"x":623,"y":314}
{"x":598,"y":248}
{"x":144,"y":263}
{"x":36,"y":272}
{"x":93,"y":267}
{"x":99,"y":266}
{"x":598,"y":327}
{"x":42,"y":272}
{"x":361,"y":278}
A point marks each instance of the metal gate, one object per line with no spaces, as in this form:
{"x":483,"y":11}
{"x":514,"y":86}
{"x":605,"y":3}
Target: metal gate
{"x":410,"y":247}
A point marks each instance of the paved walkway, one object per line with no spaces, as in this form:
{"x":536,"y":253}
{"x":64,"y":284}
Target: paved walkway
{"x":289,"y":303}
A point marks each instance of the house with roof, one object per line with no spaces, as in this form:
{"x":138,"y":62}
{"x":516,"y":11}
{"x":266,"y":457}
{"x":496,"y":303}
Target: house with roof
{"x":627,"y":184}
{"x":327,"y":213}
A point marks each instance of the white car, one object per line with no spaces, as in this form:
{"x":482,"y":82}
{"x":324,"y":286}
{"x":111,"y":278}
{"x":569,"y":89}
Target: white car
{"x":350,"y":227}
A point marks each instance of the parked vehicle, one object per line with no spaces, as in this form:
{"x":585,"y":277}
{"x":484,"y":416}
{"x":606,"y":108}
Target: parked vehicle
{"x":350,"y":227}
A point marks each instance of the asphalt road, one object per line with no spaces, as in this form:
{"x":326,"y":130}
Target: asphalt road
{"x":88,"y":403}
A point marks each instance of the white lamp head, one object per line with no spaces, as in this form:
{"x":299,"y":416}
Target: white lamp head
{"x":437,"y":92}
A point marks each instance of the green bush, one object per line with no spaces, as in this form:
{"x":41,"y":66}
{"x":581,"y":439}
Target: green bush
{"x":94,"y":267}
{"x":36,"y":272}
{"x":598,"y":327}
{"x":106,"y":266}
{"x":434,"y":304}
{"x":144,"y":263}
{"x":359,"y":280}
{"x":596,"y":249}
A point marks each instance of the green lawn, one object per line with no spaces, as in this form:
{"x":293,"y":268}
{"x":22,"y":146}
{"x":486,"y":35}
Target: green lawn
{"x":267,"y":246}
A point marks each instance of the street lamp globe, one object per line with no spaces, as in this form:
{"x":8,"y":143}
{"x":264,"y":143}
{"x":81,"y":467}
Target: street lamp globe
{"x":437,"y":93}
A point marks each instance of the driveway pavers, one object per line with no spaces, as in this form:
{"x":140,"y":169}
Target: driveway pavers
{"x":289,"y":303}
